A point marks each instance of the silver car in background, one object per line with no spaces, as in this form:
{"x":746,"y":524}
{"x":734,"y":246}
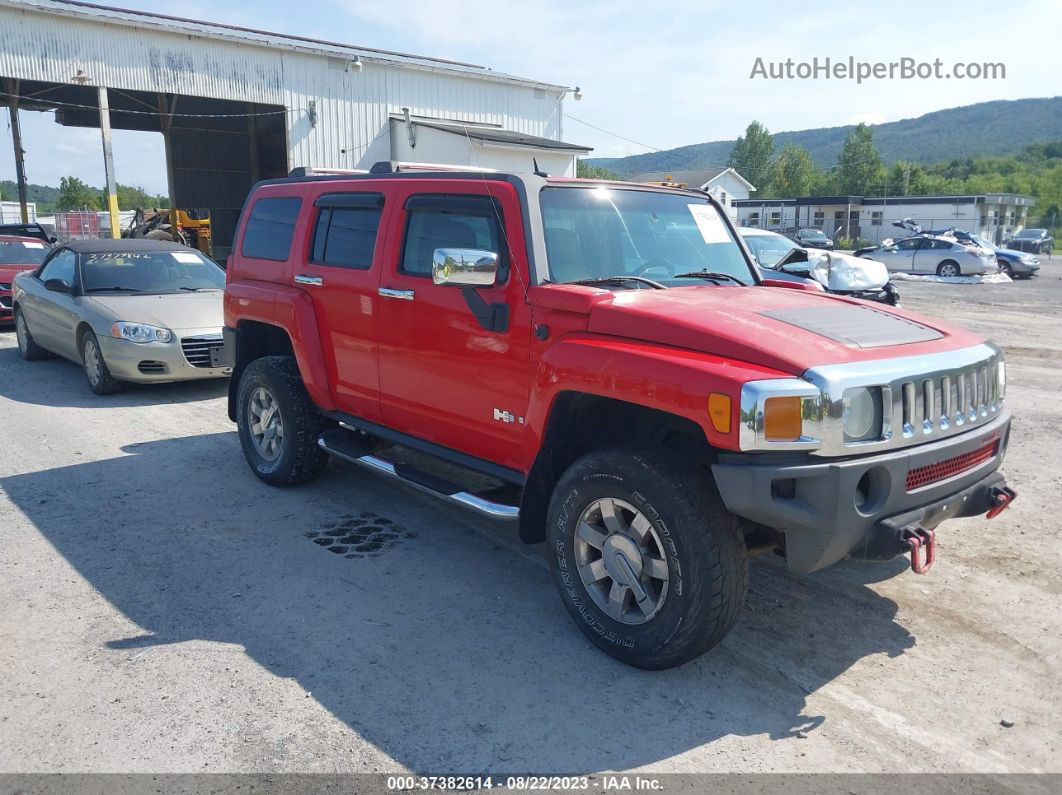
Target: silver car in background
{"x":127,"y":310}
{"x":934,"y":254}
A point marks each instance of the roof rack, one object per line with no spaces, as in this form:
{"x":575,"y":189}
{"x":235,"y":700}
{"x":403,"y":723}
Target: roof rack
{"x":394,"y":166}
{"x":308,"y":171}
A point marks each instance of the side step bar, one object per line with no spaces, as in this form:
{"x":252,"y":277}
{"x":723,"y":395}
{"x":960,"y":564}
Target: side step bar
{"x":343,"y":444}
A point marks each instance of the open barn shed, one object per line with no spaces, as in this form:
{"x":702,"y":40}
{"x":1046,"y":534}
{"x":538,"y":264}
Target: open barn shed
{"x":237,"y":105}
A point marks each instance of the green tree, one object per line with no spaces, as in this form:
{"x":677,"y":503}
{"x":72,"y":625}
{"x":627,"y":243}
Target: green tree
{"x":793,"y":173}
{"x":586,"y":171}
{"x":132,"y":198}
{"x":751,"y":155}
{"x":76,"y":195}
{"x":859,"y":164}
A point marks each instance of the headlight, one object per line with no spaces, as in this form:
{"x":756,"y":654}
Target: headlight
{"x":140,"y":332}
{"x":862,"y":414}
{"x":1028,"y":260}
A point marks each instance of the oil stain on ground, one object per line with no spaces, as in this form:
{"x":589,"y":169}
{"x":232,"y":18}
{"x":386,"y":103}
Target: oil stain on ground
{"x":367,"y":535}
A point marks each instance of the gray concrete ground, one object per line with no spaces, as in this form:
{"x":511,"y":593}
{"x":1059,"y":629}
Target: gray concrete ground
{"x":164,"y":611}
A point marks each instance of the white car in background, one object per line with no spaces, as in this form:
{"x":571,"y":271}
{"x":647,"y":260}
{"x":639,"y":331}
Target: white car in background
{"x":842,"y":274}
{"x":935,"y":254}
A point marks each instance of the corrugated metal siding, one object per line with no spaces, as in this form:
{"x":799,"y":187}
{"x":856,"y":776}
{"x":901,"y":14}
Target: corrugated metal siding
{"x":353,"y":107}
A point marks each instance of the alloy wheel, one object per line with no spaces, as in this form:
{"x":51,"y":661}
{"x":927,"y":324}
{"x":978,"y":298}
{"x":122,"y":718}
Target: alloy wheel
{"x":621,"y":561}
{"x":267,"y":427}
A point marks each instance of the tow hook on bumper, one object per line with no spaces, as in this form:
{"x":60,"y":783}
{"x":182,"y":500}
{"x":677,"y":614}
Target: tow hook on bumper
{"x":917,"y":538}
{"x":1000,"y":499}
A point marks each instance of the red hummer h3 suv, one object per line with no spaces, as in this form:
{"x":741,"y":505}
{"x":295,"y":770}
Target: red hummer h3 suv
{"x":608,"y":355}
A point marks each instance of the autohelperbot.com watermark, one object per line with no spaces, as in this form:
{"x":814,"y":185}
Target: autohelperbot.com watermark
{"x":849,"y":68}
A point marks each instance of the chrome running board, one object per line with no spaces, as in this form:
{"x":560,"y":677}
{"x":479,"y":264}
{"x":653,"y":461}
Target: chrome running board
{"x":342,"y":444}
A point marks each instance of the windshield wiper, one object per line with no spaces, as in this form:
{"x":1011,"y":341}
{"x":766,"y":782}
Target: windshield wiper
{"x":197,"y":289}
{"x":113,"y":289}
{"x":714,"y":276}
{"x":619,"y":280}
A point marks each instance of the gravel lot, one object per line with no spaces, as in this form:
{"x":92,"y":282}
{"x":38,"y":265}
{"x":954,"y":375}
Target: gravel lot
{"x":164,"y":611}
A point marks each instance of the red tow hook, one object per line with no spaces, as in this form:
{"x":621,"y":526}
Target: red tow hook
{"x":1000,"y":498}
{"x":917,"y":538}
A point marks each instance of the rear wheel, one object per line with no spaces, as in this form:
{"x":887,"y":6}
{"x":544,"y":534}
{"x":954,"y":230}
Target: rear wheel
{"x":948,"y":269}
{"x":98,"y":376}
{"x":278,"y":423}
{"x":29,"y":349}
{"x":649,"y":563}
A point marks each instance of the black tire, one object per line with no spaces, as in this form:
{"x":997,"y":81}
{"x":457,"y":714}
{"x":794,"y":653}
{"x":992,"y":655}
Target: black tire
{"x":298,"y":458}
{"x":701,"y":542}
{"x":945,"y":266}
{"x":29,"y":349}
{"x":99,"y":377}
{"x":1007,"y":269}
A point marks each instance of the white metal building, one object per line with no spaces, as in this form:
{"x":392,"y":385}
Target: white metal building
{"x":994,"y":216}
{"x":11,"y":212}
{"x":237,"y":105}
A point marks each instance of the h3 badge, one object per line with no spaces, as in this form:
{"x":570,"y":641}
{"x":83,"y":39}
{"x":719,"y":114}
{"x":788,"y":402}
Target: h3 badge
{"x":506,"y":417}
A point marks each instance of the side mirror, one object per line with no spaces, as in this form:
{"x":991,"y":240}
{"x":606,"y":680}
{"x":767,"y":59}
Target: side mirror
{"x":53,"y":240}
{"x":59,"y":286}
{"x":464,"y":267}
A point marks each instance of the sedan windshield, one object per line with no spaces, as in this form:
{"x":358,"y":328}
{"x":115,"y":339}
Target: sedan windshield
{"x":768,"y":249}
{"x":617,"y":233}
{"x":22,"y":252}
{"x":150,"y":272}
{"x":1031,"y":233}
{"x":813,"y":234}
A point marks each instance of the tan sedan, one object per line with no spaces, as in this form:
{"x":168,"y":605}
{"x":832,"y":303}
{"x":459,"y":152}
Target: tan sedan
{"x":127,"y":310}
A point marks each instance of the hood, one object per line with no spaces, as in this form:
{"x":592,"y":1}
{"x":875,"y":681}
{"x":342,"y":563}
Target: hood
{"x":843,"y":272}
{"x":785,"y":329}
{"x":8,"y":272}
{"x":177,"y":312}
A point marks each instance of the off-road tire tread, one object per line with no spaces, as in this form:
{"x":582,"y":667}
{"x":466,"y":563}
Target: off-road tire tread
{"x":302,"y":416}
{"x":707,"y":527}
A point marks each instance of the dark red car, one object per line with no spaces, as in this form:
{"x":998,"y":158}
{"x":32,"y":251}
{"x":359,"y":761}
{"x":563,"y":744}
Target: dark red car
{"x":17,"y":254}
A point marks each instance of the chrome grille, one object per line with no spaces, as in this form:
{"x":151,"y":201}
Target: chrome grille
{"x":925,"y":397}
{"x":197,"y":349}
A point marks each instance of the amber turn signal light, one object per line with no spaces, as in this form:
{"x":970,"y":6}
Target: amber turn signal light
{"x":782,"y":421}
{"x":719,"y":411}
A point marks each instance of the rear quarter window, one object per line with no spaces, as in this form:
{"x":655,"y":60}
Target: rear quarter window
{"x":270,"y":228}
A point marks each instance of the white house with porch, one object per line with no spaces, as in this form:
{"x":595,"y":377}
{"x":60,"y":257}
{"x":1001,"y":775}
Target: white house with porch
{"x":722,"y":182}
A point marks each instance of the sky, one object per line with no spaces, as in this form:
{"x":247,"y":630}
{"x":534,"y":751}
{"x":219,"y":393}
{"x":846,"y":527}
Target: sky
{"x":663,"y":74}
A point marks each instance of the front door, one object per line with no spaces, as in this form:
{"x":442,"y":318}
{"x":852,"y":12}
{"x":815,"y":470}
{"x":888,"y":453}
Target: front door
{"x":445,"y":376}
{"x":51,"y":316}
{"x":903,"y":258}
{"x":339,"y":274}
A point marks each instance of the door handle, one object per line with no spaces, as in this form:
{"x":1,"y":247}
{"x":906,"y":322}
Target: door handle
{"x":405,"y":295}
{"x":311,"y":281}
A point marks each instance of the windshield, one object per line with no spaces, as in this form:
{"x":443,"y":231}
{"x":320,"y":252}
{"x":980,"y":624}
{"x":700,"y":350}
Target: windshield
{"x":596,"y":233}
{"x":813,"y":234}
{"x":22,"y":252}
{"x":150,"y":272}
{"x":768,"y":249}
{"x":1031,"y":233}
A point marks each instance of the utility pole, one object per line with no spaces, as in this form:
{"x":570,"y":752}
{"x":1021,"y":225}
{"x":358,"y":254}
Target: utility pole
{"x":108,"y":161}
{"x":11,"y":87}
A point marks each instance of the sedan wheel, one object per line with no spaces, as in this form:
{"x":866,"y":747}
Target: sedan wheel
{"x":97,"y":374}
{"x":1007,"y":269}
{"x":948,"y":269}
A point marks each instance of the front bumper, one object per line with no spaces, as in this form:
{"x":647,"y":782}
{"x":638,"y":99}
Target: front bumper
{"x":1018,"y":267}
{"x":156,"y":362}
{"x":855,"y":507}
{"x":5,"y":307}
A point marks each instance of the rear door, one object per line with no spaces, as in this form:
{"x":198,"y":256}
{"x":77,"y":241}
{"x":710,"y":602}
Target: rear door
{"x":338,"y":273}
{"x":446,"y":376}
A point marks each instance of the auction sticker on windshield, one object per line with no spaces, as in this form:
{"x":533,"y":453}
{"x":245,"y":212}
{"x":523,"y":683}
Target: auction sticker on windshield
{"x":32,"y":245}
{"x":710,"y":223}
{"x":181,"y":256}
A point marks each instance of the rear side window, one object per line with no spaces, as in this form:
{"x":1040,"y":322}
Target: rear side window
{"x":346,"y":236}
{"x":448,"y":222}
{"x":270,"y":228}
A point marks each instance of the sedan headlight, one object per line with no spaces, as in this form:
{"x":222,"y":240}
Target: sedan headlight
{"x":140,"y":332}
{"x":862,"y":414}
